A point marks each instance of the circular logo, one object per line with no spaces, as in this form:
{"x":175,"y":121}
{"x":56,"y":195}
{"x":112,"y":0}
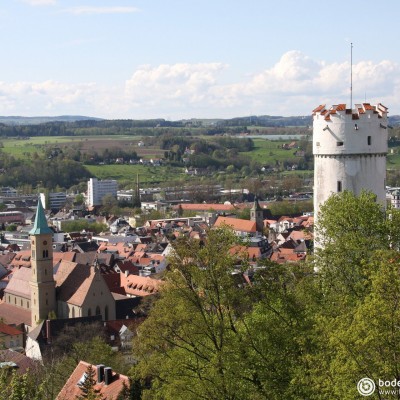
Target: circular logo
{"x":366,"y":386}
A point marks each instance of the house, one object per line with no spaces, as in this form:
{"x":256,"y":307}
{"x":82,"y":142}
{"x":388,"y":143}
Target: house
{"x":107,"y":382}
{"x":242,"y":227}
{"x":10,"y":337}
{"x":20,"y":362}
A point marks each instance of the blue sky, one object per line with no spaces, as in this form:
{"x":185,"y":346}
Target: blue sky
{"x":196,"y":58}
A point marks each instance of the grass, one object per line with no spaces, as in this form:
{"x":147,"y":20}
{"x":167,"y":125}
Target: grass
{"x":147,"y":174}
{"x":268,"y":152}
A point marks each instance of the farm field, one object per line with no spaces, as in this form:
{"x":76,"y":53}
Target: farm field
{"x":21,"y":147}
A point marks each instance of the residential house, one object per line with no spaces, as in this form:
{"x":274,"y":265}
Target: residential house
{"x":10,"y":337}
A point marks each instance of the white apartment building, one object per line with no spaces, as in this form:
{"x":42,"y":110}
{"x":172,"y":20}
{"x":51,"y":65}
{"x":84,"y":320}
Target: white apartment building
{"x":98,"y":189}
{"x":56,"y":200}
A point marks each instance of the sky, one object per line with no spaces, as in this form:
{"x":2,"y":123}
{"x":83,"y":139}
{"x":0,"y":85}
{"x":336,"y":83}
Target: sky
{"x":179,"y":59}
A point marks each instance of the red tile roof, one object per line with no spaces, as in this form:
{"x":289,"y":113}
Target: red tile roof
{"x":14,"y":315}
{"x":19,"y":283}
{"x":24,"y":363}
{"x":9,"y":330}
{"x":71,"y":389}
{"x":206,"y":207}
{"x":240,"y":225}
{"x":136,"y":285}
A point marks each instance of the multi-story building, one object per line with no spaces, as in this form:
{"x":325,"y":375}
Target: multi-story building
{"x":53,"y":200}
{"x":98,"y":189}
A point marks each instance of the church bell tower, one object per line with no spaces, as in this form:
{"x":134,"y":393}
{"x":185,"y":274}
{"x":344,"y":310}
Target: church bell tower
{"x":42,"y":284}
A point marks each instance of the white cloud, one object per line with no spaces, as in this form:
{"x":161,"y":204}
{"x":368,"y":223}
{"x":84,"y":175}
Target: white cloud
{"x":40,"y":2}
{"x":295,"y":85}
{"x":87,"y":10}
{"x":179,"y":83}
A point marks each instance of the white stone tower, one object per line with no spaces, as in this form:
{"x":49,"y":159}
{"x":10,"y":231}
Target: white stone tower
{"x":350,"y":147}
{"x":42,"y":284}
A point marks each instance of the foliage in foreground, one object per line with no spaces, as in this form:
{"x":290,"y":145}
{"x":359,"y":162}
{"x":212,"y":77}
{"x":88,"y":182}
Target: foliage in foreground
{"x":293,"y":334}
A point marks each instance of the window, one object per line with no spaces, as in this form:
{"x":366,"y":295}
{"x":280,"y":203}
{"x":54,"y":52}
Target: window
{"x":339,"y":144}
{"x":369,"y":140}
{"x":339,"y":186}
{"x":73,"y":312}
{"x":89,"y":313}
{"x":98,"y":312}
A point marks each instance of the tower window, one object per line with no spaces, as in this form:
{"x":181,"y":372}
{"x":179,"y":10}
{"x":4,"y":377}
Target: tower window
{"x":339,"y":144}
{"x":369,"y":140}
{"x":339,"y":186}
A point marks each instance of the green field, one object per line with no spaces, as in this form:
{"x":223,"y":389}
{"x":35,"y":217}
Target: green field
{"x":265,"y":152}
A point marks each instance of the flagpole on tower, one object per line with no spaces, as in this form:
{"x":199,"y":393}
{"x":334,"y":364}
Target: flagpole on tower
{"x":351,"y":75}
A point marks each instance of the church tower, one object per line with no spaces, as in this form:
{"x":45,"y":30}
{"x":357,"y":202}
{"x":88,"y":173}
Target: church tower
{"x":257,"y":215}
{"x":350,"y":147}
{"x":42,"y":284}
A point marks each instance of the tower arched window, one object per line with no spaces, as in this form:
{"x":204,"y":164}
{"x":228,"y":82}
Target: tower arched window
{"x":89,"y":313}
{"x":73,"y":312}
{"x":106,"y":313}
{"x":98,"y":312}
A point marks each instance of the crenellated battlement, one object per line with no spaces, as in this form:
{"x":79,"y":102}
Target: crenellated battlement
{"x":363,"y":110}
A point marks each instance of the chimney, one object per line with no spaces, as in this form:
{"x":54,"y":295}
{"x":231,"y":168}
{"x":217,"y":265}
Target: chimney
{"x":48,"y":331}
{"x":107,"y":375}
{"x":100,"y":373}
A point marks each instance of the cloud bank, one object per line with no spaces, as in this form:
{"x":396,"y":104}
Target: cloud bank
{"x":295,"y":85}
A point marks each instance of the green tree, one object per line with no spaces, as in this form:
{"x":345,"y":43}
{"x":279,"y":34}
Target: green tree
{"x":349,"y":229}
{"x":208,"y":337}
{"x":79,"y":199}
{"x":87,"y":387}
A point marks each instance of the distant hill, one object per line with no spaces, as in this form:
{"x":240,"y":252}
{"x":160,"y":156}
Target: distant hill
{"x":214,"y":123}
{"x":394,"y":120}
{"x":16,"y":120}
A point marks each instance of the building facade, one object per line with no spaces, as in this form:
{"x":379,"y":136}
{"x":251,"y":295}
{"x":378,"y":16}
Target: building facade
{"x":350,"y":148}
{"x":97,"y":189}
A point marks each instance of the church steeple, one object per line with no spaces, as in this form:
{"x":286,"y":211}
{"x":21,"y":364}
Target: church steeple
{"x":40,"y":226}
{"x":257,"y":215}
{"x":43,"y":292}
